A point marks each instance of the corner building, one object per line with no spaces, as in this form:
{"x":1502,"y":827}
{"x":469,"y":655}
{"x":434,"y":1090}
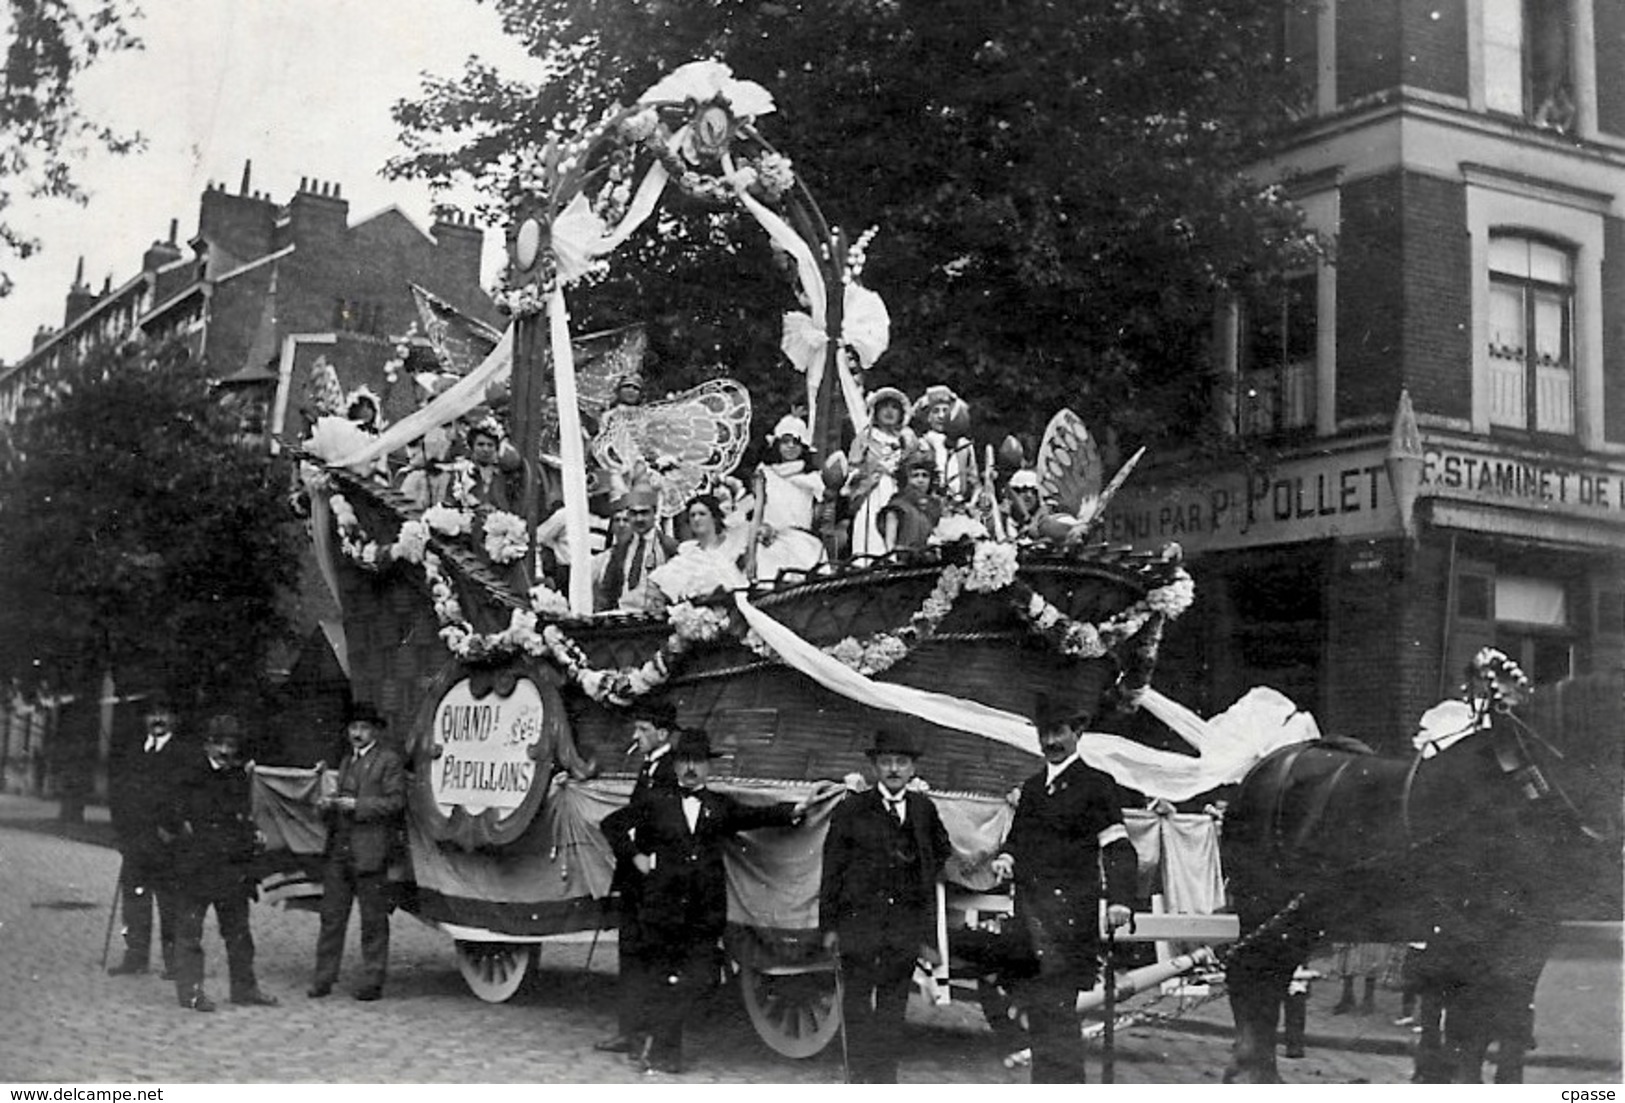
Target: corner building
{"x":1439,"y":411}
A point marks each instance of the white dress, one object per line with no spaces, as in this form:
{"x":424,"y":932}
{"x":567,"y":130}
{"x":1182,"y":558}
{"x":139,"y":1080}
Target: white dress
{"x":875,"y":453}
{"x":790,"y":493}
{"x":696,"y":571}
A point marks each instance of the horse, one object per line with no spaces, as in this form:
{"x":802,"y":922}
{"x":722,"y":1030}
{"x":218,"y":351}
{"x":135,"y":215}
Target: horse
{"x":1476,"y":849}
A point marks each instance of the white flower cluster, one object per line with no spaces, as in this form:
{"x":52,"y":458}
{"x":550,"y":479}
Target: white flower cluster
{"x":858,"y":255}
{"x":411,"y":542}
{"x":448,"y":521}
{"x":693,"y":623}
{"x":505,"y":536}
{"x":993,"y":568}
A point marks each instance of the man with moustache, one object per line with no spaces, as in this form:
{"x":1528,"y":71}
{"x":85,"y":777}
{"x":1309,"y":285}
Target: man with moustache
{"x":674,"y":839}
{"x":363,"y":818}
{"x":883,"y":854}
{"x":652,"y":727}
{"x":1067,"y":831}
{"x":138,"y":781}
{"x":215,"y":848}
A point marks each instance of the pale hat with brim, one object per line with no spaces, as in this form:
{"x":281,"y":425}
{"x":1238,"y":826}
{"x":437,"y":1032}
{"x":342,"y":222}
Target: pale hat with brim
{"x":886,"y":394}
{"x":1025,"y":479}
{"x":641,"y":496}
{"x":791,"y":426}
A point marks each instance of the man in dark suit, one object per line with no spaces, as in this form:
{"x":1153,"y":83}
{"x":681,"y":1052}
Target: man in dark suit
{"x":139,"y":777}
{"x":652,"y":726}
{"x":636,"y":552}
{"x":214,"y":850}
{"x":1068,"y":827}
{"x":673,"y":838}
{"x":883,"y":854}
{"x":363,"y":819}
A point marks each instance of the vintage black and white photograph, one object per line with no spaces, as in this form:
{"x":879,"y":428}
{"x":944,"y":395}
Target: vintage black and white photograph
{"x":812,"y":542}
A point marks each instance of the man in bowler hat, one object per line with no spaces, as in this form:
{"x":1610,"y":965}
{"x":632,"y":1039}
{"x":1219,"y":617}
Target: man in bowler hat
{"x":883,"y":854}
{"x":673,"y":839}
{"x":363,"y":818}
{"x":215,"y":851}
{"x":653,"y":723}
{"x":1067,"y":830}
{"x":139,"y":777}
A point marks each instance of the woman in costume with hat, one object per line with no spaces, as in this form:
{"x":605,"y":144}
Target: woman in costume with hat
{"x":911,"y":516}
{"x":875,"y":453}
{"x":708,"y":561}
{"x":791,"y":488}
{"x":883,"y":855}
{"x":673,"y":839}
{"x":941,"y":417}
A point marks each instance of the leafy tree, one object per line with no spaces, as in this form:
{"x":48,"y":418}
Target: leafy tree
{"x":140,"y":534}
{"x":1059,"y":187}
{"x":49,"y":43}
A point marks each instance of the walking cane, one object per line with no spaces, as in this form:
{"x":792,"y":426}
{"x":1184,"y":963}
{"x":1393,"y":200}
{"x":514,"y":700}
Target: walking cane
{"x":1109,"y":1009}
{"x":840,"y":1021}
{"x":112,"y":913}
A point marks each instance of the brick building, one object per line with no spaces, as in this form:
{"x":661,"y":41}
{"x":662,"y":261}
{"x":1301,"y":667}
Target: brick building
{"x":263,"y":291}
{"x":1469,"y":158}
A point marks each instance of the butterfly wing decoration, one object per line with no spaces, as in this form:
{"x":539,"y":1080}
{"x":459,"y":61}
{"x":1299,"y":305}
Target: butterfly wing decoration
{"x":680,"y":443}
{"x":1069,"y":470}
{"x":460,"y":342}
{"x":601,"y":361}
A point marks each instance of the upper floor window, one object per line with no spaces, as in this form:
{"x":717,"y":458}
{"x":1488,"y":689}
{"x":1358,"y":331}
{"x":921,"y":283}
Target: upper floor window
{"x":1531,"y":335}
{"x":1528,"y":60}
{"x":1276,"y":359}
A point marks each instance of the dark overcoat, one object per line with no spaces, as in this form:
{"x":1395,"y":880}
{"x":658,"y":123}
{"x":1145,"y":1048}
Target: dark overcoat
{"x":377,"y":780}
{"x":1055,"y":839}
{"x":684,"y":898}
{"x":139,"y":785}
{"x":211,"y":816}
{"x":857,"y":896}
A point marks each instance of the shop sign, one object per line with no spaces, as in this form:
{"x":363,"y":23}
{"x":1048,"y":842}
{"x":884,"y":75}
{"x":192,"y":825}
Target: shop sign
{"x":1578,"y":487}
{"x":485,"y":747}
{"x":1312,"y":498}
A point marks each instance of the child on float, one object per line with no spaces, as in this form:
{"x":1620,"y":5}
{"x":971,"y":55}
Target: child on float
{"x":791,"y":488}
{"x":911,"y":516}
{"x":874,"y":456}
{"x":938,"y":413}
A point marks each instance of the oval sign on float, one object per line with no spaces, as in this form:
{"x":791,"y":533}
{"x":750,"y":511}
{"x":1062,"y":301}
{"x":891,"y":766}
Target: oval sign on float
{"x":528,"y":244}
{"x":484,"y":748}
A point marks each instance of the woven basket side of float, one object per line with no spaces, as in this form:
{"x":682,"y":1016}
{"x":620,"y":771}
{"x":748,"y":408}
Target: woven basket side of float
{"x":394,"y":646}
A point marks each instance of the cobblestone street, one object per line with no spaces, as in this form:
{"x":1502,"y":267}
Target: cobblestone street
{"x":64,"y":1019}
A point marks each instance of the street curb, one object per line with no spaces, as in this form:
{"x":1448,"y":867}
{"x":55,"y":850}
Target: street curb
{"x":1389,"y":1047}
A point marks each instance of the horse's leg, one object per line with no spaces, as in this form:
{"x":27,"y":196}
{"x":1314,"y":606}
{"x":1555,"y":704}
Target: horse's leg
{"x":1256,"y":988}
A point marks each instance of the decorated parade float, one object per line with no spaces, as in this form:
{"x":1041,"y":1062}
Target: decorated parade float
{"x":512,"y":692}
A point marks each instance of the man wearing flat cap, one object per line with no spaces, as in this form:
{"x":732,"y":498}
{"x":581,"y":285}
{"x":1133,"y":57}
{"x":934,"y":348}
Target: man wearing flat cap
{"x":653,"y":723}
{"x":363,"y":819}
{"x":674,"y":840}
{"x":215,"y":850}
{"x":1067,"y":832}
{"x":883,"y":854}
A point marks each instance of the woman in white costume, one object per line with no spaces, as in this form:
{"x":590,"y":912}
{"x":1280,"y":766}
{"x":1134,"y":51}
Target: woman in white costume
{"x":792,"y":487}
{"x":706,"y":562}
{"x":874,"y":455}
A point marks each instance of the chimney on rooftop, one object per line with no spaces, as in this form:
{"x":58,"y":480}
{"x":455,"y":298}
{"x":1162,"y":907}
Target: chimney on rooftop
{"x":248,"y":168}
{"x":80,"y":297}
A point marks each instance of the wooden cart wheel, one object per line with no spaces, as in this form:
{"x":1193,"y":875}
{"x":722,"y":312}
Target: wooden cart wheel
{"x":795,"y":1011}
{"x":494,"y":970}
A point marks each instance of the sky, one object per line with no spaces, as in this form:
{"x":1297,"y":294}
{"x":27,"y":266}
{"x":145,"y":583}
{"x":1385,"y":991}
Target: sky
{"x":298,"y":87}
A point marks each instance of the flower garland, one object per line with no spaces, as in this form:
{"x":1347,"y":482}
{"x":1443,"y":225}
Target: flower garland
{"x":881,"y":651}
{"x":1082,"y":640}
{"x":691,"y":625}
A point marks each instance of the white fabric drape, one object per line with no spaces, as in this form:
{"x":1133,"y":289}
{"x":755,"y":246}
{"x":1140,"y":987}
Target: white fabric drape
{"x":1227,"y":746}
